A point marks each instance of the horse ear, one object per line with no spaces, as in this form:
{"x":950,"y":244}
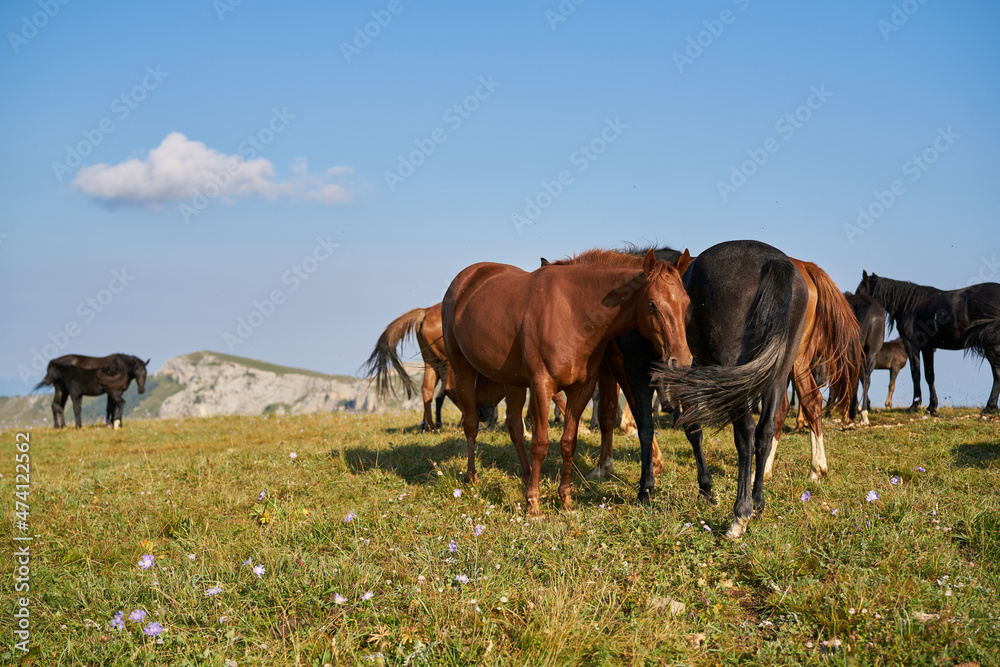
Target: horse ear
{"x":146,"y":363}
{"x":545,"y":262}
{"x":864,"y":275}
{"x":649,"y":262}
{"x":683,"y":262}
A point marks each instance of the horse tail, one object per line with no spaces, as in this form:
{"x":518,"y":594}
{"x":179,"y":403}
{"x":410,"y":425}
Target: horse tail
{"x":48,"y":380}
{"x":719,"y":395}
{"x":384,"y":359}
{"x":836,"y":337}
{"x":983,"y":335}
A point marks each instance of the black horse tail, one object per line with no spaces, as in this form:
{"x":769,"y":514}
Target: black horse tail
{"x":47,"y":381}
{"x":983,"y":335}
{"x":384,"y":359}
{"x":720,"y":395}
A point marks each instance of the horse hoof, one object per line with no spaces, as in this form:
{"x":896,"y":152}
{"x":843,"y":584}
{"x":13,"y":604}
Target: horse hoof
{"x":600,"y":473}
{"x":643,"y":498}
{"x":118,"y":424}
{"x":470,"y":478}
{"x":709,"y":497}
{"x":737,"y":528}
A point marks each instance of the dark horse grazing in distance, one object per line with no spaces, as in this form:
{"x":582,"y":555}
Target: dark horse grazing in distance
{"x":928,"y":318}
{"x":892,"y":357}
{"x":74,"y":376}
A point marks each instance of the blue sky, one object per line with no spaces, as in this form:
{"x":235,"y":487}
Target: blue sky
{"x":226,"y":159}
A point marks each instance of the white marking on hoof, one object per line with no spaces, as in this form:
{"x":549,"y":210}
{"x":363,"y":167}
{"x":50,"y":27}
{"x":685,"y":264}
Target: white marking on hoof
{"x":769,"y":464}
{"x":602,"y":472}
{"x":864,"y":418}
{"x":737,"y":528}
{"x":817,"y":465}
{"x":118,"y":424}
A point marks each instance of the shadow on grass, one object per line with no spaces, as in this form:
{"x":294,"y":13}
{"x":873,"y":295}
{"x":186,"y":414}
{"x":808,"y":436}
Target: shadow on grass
{"x":415,"y":462}
{"x":976,"y":455}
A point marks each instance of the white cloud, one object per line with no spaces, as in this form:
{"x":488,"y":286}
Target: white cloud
{"x":180,"y":169}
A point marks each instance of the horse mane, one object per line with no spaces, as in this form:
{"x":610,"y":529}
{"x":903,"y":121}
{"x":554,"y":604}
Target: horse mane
{"x":898,"y":296}
{"x":601,"y":257}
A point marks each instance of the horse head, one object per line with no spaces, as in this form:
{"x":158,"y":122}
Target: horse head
{"x":662,"y":318}
{"x":867,"y":285}
{"x":139,"y":371}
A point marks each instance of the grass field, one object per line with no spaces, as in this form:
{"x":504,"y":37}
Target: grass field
{"x":369,"y":549}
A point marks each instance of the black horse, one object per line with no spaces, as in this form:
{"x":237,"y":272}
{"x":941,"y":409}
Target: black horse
{"x":74,"y":376}
{"x":748,"y":304}
{"x":871,"y":319}
{"x":928,"y":318}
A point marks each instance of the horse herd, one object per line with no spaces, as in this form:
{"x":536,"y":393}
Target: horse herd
{"x":716,"y":334}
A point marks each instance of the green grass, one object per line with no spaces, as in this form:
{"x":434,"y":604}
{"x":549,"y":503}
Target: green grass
{"x":913,"y":578}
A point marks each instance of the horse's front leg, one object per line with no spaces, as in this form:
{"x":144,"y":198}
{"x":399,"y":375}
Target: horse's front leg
{"x":991,"y":402}
{"x":78,"y":409}
{"x":427,"y":395}
{"x":59,"y":407}
{"x":606,"y":410}
{"x":541,"y":395}
{"x":914,"y":357}
{"x":928,"y":354}
{"x":576,"y":401}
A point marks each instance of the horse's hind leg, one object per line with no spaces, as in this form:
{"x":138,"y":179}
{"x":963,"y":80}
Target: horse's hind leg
{"x":991,"y":403}
{"x":743,"y":435}
{"x":427,"y":395}
{"x":465,"y":391}
{"x":116,"y":405}
{"x":59,"y":407}
{"x":694,"y":435}
{"x":515,"y":426}
{"x":812,"y":405}
{"x":779,"y":422}
{"x":893,"y":372}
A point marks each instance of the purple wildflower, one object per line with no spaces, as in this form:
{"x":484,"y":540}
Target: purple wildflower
{"x":146,"y":562}
{"x":153,"y":629}
{"x":479,"y":529}
{"x":262,"y":494}
{"x":805,"y":496}
{"x":453,"y":546}
{"x":212,"y":591}
{"x":921,"y":469}
{"x":117,"y":621}
{"x":895,"y":479}
{"x":351,"y":516}
{"x":457,"y":493}
{"x":137,"y":616}
{"x":872,"y":496}
{"x":258,"y":570}
{"x":462,"y":579}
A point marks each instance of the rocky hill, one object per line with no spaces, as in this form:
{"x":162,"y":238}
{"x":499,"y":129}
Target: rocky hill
{"x":204,"y":384}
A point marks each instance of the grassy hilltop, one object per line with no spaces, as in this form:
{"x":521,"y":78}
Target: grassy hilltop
{"x":371,"y":555}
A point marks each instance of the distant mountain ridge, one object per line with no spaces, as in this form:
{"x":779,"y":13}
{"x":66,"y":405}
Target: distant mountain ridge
{"x":205,"y":384}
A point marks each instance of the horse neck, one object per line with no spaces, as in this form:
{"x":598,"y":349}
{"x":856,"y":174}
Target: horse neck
{"x":626,"y":287}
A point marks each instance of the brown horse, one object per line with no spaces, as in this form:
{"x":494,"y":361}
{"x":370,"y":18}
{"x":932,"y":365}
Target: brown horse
{"x":548,"y":330}
{"x":424,"y":324}
{"x":892,"y":357}
{"x":831,"y":335}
